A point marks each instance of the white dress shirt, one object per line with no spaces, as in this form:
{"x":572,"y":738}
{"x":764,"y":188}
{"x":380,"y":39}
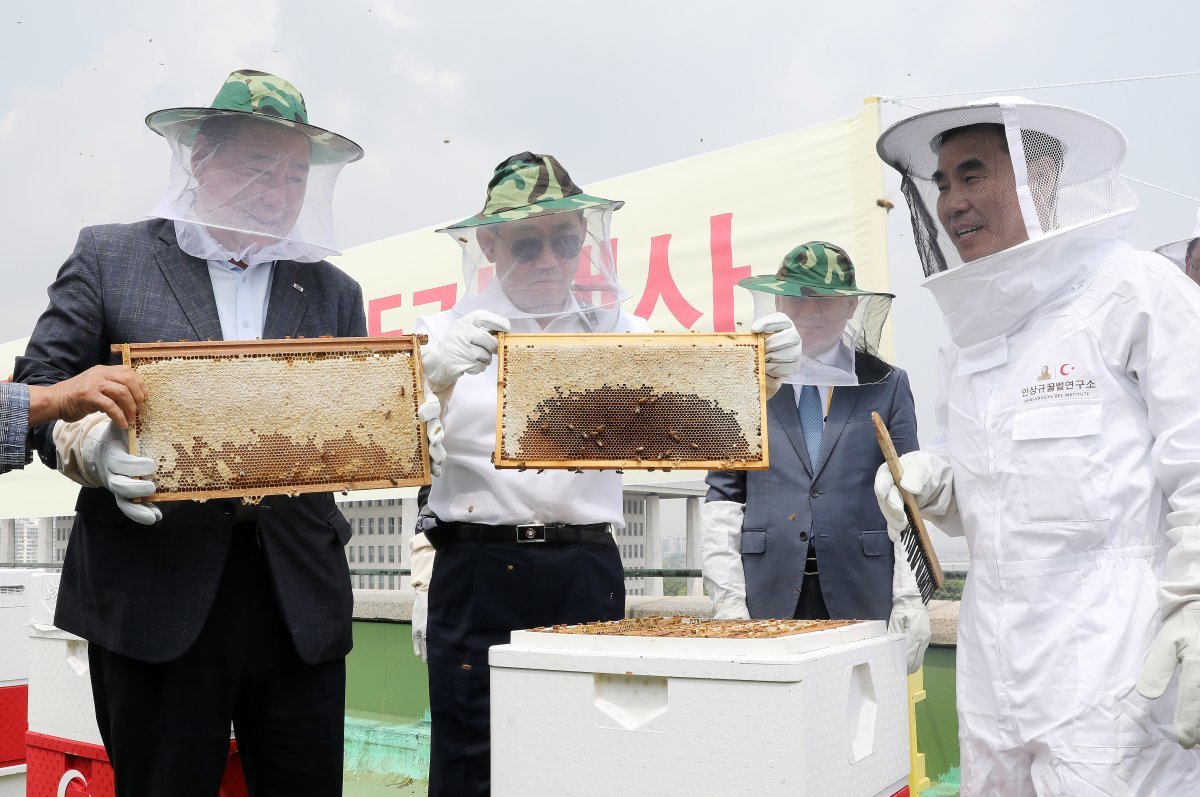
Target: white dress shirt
{"x":471,"y":489}
{"x":241,"y":295}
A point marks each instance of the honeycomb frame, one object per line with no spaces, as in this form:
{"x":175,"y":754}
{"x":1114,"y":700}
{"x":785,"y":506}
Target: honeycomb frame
{"x":620,"y":435}
{"x":396,"y":458}
{"x":677,"y":627}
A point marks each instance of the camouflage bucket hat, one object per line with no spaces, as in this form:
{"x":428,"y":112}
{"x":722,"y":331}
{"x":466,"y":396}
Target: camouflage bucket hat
{"x":260,"y":95}
{"x":528,"y":185}
{"x":814,"y":269}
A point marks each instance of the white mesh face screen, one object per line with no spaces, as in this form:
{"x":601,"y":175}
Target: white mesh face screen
{"x":635,"y":401}
{"x":854,"y":323}
{"x":267,"y":418}
{"x":547,"y":266}
{"x":1006,"y":173}
{"x":253,"y":187}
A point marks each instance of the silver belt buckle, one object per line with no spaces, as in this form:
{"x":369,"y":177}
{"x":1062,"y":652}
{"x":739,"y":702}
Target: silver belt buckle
{"x":531,"y":532}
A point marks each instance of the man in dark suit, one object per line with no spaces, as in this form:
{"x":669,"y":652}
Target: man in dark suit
{"x":202,"y":613}
{"x":803,"y":539}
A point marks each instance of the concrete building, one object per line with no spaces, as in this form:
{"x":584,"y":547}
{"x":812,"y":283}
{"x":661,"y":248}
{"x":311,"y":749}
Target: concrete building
{"x":382,"y":529}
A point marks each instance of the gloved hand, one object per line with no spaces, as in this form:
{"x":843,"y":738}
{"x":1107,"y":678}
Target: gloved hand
{"x":783,"y":348}
{"x":927,"y":476}
{"x":909,"y":615}
{"x":1177,"y":644}
{"x":721,"y":558}
{"x":466,"y":348}
{"x":422,"y":558}
{"x":420,"y":622}
{"x":430,"y":412}
{"x":93,"y":452}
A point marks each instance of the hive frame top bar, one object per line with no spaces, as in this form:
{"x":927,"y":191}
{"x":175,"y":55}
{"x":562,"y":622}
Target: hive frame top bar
{"x":664,"y":339}
{"x":189,"y":348}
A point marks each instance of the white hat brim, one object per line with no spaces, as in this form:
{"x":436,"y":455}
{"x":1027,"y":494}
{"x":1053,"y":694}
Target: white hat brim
{"x":1091,"y":146}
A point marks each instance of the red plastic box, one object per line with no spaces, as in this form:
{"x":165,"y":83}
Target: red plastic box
{"x":14,"y":703}
{"x":78,"y":769}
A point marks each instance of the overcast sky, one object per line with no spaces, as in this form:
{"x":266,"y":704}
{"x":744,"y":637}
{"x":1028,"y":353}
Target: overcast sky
{"x":438,"y":93}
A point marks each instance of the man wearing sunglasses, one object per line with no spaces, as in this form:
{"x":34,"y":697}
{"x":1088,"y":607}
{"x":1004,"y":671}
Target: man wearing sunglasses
{"x":536,"y":259}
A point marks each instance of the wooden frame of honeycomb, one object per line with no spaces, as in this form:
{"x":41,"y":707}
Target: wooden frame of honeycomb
{"x":631,"y":401}
{"x":253,"y":418}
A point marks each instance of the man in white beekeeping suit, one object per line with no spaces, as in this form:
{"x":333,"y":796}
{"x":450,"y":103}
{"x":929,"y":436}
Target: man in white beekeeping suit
{"x":1069,"y":454}
{"x":517,"y":549}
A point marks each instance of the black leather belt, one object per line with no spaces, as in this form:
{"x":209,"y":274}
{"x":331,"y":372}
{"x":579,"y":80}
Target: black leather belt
{"x":530,"y":533}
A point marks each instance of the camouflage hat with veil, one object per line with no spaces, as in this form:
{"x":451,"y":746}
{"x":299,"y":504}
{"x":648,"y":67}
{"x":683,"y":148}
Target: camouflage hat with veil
{"x":816,"y":286}
{"x":540,"y":249}
{"x":251,"y":180}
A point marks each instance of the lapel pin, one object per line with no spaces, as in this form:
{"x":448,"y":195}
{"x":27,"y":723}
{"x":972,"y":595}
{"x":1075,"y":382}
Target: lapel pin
{"x":298,"y":286}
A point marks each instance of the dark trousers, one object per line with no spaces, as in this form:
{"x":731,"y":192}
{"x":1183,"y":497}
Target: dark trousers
{"x":810,"y":605}
{"x":166,"y":726}
{"x":478,"y":595}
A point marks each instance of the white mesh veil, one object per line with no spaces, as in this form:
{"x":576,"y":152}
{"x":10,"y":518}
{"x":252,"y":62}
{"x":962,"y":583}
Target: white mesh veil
{"x":249,"y":190}
{"x":555,"y":266}
{"x":1064,"y":165}
{"x":836,"y":331}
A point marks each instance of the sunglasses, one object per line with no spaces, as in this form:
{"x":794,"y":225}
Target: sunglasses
{"x":564,"y":247}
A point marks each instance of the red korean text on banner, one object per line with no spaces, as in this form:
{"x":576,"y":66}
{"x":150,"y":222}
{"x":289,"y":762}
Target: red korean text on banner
{"x":724,"y":274}
{"x":375,"y":311}
{"x":443,"y":295}
{"x":661,"y":284}
{"x":589,"y":282}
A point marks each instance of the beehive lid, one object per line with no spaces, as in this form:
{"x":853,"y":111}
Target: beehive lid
{"x":652,"y":401}
{"x":269,"y":417}
{"x":687,"y":647}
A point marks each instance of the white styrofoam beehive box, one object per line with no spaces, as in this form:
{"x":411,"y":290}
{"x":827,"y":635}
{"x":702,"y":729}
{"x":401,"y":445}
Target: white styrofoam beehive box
{"x":12,"y":781}
{"x":60,"y":683}
{"x":16,"y":591}
{"x":822,"y":713}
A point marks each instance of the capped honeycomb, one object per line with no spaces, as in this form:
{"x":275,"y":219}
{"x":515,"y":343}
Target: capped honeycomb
{"x":255,"y":418}
{"x":691,"y":627}
{"x":631,"y":401}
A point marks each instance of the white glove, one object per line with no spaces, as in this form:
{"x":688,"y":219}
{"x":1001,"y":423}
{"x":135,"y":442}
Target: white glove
{"x":783,"y":348}
{"x":909,"y":615}
{"x":423,"y":555}
{"x":721,"y":558}
{"x":94,"y":453}
{"x":420,"y":622}
{"x":430,"y":412}
{"x":1177,"y":644}
{"x":466,"y":348}
{"x":927,"y":476}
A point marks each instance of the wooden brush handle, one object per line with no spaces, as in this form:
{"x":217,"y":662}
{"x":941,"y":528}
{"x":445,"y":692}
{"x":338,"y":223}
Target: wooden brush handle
{"x":910,"y":503}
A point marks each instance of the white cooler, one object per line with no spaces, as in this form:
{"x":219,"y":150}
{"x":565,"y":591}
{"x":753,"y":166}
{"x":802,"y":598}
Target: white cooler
{"x":823,"y":713}
{"x":60,"y":683}
{"x":16,"y":594}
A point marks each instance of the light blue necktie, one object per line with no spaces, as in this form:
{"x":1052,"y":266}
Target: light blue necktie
{"x":812,"y":421}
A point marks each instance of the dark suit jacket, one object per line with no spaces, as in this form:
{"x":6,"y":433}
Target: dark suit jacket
{"x":145,"y":591}
{"x":835,"y":500}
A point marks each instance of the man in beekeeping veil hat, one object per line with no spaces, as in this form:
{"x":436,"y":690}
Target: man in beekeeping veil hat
{"x":536,"y":259}
{"x":200,"y":613}
{"x":1079,"y":493}
{"x":802,"y":538}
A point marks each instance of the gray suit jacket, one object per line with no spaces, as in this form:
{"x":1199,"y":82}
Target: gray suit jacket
{"x":834,"y":500}
{"x":145,"y":592}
